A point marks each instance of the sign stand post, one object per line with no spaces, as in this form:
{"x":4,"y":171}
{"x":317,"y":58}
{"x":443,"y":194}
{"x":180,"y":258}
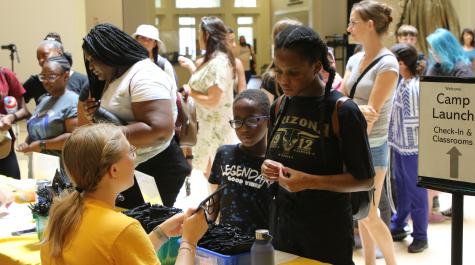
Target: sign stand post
{"x":457,"y":228}
{"x":447,"y":145}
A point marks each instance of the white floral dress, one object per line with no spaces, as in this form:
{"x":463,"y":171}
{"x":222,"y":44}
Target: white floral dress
{"x":214,"y":129}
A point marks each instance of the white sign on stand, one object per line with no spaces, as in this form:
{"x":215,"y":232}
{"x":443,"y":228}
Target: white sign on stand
{"x":447,"y":127}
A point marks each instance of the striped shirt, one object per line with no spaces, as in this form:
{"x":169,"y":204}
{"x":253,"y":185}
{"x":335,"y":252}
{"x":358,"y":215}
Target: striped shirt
{"x":404,"y":121}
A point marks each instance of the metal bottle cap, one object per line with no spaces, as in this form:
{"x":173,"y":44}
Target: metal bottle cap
{"x":262,"y":234}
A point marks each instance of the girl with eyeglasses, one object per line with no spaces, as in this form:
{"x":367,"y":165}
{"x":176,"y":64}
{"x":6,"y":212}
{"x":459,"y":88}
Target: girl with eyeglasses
{"x":245,"y":200}
{"x":55,"y":117}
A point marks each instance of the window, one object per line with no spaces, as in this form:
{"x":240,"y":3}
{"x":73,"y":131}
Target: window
{"x":244,"y":3}
{"x":158,"y":3}
{"x":198,"y":3}
{"x":157,"y":21}
{"x":187,"y":36}
{"x":245,"y":29}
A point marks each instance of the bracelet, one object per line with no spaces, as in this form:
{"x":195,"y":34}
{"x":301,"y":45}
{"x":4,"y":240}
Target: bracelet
{"x":15,"y":117}
{"x":160,"y":234}
{"x":187,"y":248}
{"x":191,"y":245}
{"x":189,"y":157}
{"x":42,"y":145}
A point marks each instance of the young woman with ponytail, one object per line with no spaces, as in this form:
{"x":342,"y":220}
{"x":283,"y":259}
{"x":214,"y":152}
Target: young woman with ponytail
{"x":311,"y":211}
{"x":84,"y":228}
{"x":369,"y":22}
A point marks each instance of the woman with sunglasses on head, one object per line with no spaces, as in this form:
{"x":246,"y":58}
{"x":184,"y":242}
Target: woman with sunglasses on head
{"x":83,"y":226}
{"x":126,"y":83}
{"x":369,"y":22}
{"x":211,"y":86}
{"x":55,"y":117}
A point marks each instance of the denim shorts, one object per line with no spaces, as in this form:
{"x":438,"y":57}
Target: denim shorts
{"x":380,"y":156}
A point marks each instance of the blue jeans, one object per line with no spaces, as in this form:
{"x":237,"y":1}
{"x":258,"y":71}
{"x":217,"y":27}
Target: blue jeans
{"x":412,"y":200}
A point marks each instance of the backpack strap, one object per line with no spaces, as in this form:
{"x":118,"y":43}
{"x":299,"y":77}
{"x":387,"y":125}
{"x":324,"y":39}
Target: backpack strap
{"x":373,"y":63}
{"x":161,"y":62}
{"x":277,"y":105}
{"x":335,"y":122}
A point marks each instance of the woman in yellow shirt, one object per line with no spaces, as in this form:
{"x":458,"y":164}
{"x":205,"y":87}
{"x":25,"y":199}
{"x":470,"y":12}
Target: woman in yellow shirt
{"x":83,"y":226}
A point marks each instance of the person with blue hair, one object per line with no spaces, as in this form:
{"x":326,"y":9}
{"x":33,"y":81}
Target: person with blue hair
{"x":447,"y":58}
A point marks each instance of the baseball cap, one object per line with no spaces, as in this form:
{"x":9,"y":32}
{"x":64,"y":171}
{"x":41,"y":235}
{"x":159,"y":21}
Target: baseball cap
{"x":147,"y":31}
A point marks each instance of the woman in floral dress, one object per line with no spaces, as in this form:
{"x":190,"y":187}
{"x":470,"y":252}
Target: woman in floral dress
{"x":211,"y":86}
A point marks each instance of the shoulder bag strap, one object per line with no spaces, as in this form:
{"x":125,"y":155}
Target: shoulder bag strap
{"x":353,"y":89}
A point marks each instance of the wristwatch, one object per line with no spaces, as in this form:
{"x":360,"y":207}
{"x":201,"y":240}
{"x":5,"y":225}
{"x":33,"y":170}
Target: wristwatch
{"x":42,"y":145}
{"x":160,"y":234}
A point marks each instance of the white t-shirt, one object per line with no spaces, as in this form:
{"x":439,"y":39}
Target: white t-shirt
{"x":379,"y":133}
{"x":144,"y":81}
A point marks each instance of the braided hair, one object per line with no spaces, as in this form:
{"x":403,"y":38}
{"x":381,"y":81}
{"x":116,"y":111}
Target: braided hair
{"x":217,"y":41}
{"x":62,"y":61}
{"x":110,"y":45}
{"x":308,"y":44}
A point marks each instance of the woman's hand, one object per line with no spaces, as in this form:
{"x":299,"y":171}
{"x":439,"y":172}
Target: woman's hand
{"x":90,"y":106}
{"x":28,"y":148}
{"x":194,"y":226}
{"x":173,"y":225}
{"x":187,"y":63}
{"x":271,"y":170}
{"x":369,"y":113}
{"x":6,"y":122}
{"x":293,"y":180}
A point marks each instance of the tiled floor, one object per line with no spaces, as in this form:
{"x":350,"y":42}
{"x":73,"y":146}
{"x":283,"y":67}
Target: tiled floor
{"x":439,"y":250}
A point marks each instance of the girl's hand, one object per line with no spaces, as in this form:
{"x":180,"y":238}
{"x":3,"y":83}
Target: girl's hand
{"x":293,"y":180}
{"x":194,"y":226}
{"x":271,"y":170}
{"x":173,"y":225}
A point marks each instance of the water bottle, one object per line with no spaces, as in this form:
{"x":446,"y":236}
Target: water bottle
{"x":262,"y":251}
{"x":10,"y":104}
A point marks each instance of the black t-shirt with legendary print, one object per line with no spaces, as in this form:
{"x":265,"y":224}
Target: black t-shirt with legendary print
{"x":246,"y":199}
{"x":317,"y":223}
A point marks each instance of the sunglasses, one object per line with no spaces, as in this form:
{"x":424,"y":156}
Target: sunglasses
{"x":209,"y":204}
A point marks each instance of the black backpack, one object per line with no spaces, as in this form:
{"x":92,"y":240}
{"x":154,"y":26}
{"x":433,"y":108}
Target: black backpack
{"x":361,"y":200}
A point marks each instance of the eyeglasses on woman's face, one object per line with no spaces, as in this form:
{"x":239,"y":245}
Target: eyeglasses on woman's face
{"x":49,"y":78}
{"x":251,"y":122}
{"x":352,"y":23}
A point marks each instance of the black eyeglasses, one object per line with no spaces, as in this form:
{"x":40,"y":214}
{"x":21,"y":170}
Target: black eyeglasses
{"x":209,"y":203}
{"x":251,"y":122}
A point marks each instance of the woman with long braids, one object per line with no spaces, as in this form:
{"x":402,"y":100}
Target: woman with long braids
{"x":125,"y":82}
{"x":369,"y":22}
{"x":211,"y":86}
{"x":311,"y":211}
